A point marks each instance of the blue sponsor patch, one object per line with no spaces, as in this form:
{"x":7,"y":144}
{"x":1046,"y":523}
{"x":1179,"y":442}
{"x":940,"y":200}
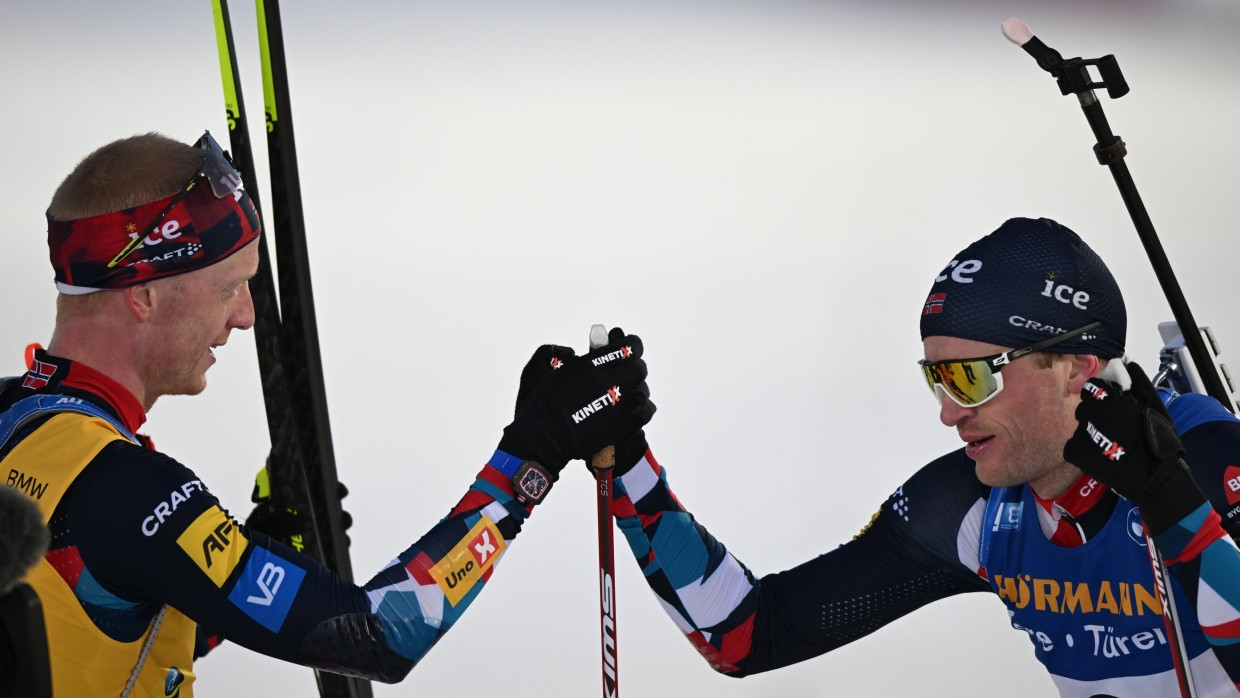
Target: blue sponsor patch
{"x":266,"y":588}
{"x":1008,"y":517}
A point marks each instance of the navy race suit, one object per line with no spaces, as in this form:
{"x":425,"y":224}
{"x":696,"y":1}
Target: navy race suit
{"x":137,"y":530}
{"x":1091,"y":611}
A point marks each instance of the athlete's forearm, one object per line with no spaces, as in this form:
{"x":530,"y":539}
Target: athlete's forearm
{"x":421,"y":594}
{"x":1207,"y":565}
{"x":742,"y":624}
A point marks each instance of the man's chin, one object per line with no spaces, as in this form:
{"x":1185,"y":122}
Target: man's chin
{"x":194,"y":387}
{"x":993,"y":477}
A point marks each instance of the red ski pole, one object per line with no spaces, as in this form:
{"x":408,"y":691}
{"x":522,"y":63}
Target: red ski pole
{"x":603,"y":461}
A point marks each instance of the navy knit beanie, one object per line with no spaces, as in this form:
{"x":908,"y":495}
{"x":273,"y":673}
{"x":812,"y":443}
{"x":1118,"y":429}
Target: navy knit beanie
{"x":1025,"y":282}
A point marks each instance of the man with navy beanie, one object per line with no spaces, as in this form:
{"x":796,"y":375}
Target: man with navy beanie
{"x":1072,"y":463}
{"x":1028,"y":280}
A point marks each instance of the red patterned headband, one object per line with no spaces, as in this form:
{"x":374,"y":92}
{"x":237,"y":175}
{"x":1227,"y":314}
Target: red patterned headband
{"x":206,"y":221}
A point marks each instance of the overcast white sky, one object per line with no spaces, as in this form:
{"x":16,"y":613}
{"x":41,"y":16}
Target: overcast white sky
{"x":762,"y":190}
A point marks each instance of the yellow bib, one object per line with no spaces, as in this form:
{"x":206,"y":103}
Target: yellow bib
{"x":85,"y":662}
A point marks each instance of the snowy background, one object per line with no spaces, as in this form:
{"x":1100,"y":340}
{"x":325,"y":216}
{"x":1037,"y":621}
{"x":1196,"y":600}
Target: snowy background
{"x":762,"y":190}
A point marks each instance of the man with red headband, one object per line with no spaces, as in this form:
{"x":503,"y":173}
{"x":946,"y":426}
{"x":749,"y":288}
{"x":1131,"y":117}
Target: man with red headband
{"x":153,"y":242}
{"x":1047,"y":505}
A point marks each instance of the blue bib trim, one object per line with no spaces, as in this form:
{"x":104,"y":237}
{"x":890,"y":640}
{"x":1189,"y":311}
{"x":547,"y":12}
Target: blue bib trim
{"x":36,"y":406}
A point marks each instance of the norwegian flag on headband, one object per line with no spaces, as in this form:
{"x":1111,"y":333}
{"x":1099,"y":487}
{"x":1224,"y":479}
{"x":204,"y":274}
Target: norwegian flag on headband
{"x":198,"y":232}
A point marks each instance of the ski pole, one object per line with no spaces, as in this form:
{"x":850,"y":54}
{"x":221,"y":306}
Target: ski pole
{"x":1073,"y":77}
{"x":603,"y":461}
{"x":1171,"y":619}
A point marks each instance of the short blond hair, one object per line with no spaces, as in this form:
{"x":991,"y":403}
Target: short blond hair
{"x":123,"y":174}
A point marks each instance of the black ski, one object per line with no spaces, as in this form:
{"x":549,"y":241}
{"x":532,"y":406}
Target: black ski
{"x":286,"y":462}
{"x":302,"y":460}
{"x":299,"y":330}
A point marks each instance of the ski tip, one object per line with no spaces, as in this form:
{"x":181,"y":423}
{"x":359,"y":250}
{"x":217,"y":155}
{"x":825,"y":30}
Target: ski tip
{"x":598,"y":336}
{"x":1017,"y":31}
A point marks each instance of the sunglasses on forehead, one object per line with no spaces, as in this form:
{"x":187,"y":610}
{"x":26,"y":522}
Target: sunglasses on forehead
{"x":971,"y":382}
{"x":215,"y":167}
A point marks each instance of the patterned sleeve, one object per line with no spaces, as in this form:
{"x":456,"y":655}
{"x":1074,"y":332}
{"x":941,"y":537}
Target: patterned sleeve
{"x":1211,"y":437}
{"x":919,"y":547}
{"x":150,"y":531}
{"x":1203,"y":557}
{"x":421,"y":594}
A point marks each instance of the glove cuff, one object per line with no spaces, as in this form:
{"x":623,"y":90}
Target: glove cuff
{"x":1170,"y":495}
{"x":629,"y":451}
{"x":514,"y":443}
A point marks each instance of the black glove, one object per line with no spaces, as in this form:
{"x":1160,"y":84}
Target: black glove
{"x":590,"y":402}
{"x":546,"y":359}
{"x":277,"y":512}
{"x":550,"y":357}
{"x":1127,"y":442}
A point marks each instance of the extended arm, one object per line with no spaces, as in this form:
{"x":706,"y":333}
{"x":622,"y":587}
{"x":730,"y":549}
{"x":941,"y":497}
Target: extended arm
{"x":266,"y":596}
{"x":261,"y":594}
{"x":906,"y":557}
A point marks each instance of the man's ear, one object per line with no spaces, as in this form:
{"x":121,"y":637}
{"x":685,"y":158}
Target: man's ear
{"x":140,"y":300}
{"x":1082,"y":367}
